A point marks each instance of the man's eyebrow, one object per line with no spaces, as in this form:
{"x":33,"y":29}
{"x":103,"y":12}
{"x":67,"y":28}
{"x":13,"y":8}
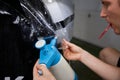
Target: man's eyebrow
{"x":104,"y":1}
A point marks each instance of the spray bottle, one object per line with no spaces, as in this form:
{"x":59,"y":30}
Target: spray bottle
{"x":55,"y":62}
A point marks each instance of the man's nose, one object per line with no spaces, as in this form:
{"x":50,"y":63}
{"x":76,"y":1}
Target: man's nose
{"x":103,"y":13}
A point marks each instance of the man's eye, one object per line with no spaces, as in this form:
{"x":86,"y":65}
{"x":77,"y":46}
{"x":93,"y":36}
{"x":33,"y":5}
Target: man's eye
{"x":105,"y":4}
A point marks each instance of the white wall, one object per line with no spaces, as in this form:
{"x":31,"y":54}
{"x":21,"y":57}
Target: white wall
{"x":88,"y":25}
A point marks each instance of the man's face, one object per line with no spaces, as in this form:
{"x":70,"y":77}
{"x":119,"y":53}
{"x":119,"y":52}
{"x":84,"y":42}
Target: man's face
{"x":111,"y":12}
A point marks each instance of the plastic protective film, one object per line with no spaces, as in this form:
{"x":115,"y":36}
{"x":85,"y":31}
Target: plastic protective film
{"x":32,"y":26}
{"x":62,"y":13}
{"x":38,"y":21}
{"x":43,"y":21}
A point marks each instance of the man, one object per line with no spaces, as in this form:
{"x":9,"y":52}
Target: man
{"x":108,"y":67}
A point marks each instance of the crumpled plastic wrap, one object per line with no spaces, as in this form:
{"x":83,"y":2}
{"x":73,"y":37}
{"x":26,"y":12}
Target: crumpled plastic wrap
{"x":37,"y":21}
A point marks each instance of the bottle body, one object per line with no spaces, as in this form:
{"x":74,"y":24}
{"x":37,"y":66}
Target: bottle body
{"x":63,"y":71}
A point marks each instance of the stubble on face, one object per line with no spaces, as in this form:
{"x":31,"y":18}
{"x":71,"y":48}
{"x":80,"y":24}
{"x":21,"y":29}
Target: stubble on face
{"x":114,"y":15}
{"x":112,"y":8}
{"x":119,"y":2}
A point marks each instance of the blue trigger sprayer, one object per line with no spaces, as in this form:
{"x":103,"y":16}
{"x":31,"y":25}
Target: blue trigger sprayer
{"x":55,"y":62}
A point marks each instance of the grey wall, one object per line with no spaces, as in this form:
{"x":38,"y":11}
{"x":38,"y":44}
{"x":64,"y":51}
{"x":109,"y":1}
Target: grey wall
{"x":88,"y":25}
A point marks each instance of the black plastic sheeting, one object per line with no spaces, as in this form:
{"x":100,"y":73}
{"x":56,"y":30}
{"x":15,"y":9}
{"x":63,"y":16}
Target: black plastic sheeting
{"x":34,"y":24}
{"x":17,"y":56}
